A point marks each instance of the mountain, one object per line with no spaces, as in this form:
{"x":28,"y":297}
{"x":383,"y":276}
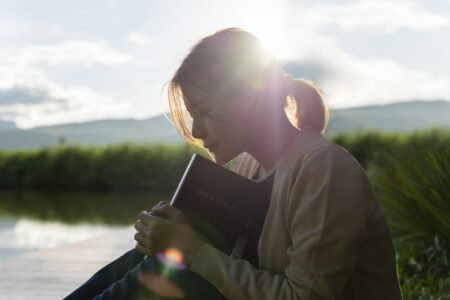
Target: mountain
{"x":95,"y":133}
{"x":405,"y":116}
{"x":5,"y":125}
{"x":401,"y":116}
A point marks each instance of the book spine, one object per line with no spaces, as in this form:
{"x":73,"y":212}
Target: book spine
{"x":180,"y":184}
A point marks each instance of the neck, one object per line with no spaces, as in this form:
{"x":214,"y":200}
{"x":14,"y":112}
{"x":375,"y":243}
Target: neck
{"x":271,"y":141}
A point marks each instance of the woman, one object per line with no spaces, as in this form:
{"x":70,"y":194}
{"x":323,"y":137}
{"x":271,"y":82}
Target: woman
{"x":324,"y":235}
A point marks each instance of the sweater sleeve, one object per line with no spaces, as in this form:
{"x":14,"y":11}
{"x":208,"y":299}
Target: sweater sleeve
{"x":325,"y":217}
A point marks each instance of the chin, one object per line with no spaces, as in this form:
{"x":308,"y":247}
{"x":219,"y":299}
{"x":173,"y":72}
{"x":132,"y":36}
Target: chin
{"x":221,"y":158}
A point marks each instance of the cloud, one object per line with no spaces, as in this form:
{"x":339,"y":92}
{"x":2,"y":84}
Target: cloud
{"x":138,"y":39}
{"x":13,"y":26}
{"x":53,"y":104}
{"x":77,"y":53}
{"x":23,"y":95}
{"x":351,"y":80}
{"x":382,"y":80}
{"x":312,"y":69}
{"x":373,"y":14}
{"x":29,"y":98}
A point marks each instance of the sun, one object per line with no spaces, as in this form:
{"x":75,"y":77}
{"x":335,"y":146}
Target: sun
{"x":272,"y":39}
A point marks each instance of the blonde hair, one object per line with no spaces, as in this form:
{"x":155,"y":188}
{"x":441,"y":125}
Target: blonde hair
{"x":219,"y":66}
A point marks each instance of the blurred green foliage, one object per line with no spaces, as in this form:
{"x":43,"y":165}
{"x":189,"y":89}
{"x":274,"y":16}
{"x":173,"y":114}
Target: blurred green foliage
{"x":122,"y":167}
{"x":366,"y":146}
{"x":158,"y":167}
{"x":412,"y":183}
{"x":423,"y":267}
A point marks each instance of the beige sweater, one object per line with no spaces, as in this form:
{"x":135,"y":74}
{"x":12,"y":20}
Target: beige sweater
{"x":324,"y":237}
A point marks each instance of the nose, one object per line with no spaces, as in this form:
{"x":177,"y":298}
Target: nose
{"x":198,"y":129}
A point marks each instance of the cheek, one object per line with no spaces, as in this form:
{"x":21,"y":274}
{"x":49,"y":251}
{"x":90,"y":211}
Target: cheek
{"x":228,"y":135}
{"x":236,"y":139}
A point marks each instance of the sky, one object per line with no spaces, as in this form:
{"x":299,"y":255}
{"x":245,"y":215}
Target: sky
{"x":79,"y":60}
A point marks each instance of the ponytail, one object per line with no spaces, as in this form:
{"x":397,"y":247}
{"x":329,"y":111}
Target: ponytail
{"x":311,"y":111}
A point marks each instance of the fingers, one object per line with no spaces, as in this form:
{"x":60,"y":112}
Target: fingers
{"x":148,"y":236}
{"x":142,"y":239}
{"x":166,"y":210}
{"x":147,"y":218}
{"x":139,"y":226}
{"x":149,"y":231}
{"x":145,"y":244}
{"x":156,"y":233}
{"x":162,"y":203}
{"x":144,"y":250}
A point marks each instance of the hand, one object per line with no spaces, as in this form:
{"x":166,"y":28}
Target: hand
{"x":166,"y":227}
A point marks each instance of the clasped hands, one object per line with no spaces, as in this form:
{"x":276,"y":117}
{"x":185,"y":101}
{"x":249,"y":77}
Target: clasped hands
{"x":166,"y":227}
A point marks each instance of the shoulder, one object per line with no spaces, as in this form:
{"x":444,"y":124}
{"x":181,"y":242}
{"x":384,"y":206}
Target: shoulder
{"x":331,"y":165}
{"x":315,"y":153}
{"x":328,"y":173}
{"x":331,"y":157}
{"x":319,"y":164}
{"x":328,"y":183}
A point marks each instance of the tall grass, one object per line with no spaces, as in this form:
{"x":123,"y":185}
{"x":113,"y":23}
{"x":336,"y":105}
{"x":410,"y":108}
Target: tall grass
{"x":122,"y":167}
{"x":413,"y":186}
{"x":157,"y":167}
{"x":367,"y":146}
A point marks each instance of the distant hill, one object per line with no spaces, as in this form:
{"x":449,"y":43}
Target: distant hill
{"x":102,"y":132}
{"x":402,"y":116}
{"x":5,"y":125}
{"x":405,"y":116}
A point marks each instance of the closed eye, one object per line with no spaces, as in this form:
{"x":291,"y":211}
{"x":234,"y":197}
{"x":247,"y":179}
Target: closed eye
{"x":204,"y":109}
{"x":209,"y":113}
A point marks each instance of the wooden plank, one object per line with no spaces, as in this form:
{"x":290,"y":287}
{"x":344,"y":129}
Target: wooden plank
{"x":54,"y":273}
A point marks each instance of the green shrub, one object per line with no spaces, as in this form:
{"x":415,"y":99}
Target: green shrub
{"x":423,"y":268}
{"x":119,"y":167}
{"x":368,"y":145}
{"x":412,"y":184}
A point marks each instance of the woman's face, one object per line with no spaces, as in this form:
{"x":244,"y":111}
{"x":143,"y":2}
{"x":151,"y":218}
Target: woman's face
{"x":223,"y":127}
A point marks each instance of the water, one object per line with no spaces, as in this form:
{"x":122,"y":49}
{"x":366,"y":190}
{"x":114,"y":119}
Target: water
{"x":19,"y":236}
{"x":31,"y":220}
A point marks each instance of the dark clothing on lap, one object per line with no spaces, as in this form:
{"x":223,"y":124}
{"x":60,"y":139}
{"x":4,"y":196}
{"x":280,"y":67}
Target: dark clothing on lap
{"x":119,"y":280}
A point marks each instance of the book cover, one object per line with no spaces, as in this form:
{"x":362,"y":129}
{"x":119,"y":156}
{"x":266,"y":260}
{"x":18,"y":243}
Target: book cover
{"x":218,"y":202}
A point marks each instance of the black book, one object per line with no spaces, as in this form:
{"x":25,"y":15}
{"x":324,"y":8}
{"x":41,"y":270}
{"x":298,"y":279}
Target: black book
{"x":219,"y":203}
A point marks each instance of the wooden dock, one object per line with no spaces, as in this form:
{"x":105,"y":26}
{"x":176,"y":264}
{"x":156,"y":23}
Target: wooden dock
{"x":54,"y":273}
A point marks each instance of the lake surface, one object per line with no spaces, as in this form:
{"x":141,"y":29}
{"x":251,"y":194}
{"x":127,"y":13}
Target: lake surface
{"x":18,"y":236}
{"x":31,"y":220}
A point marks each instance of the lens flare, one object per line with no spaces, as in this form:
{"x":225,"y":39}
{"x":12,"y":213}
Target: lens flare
{"x":160,"y":285}
{"x":172,"y":258}
{"x":161,"y":282}
{"x":174,"y":255}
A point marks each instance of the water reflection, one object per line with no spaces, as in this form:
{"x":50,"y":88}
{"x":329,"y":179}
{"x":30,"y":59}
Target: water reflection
{"x":77,"y":207}
{"x":32,"y":220}
{"x":18,"y":236}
